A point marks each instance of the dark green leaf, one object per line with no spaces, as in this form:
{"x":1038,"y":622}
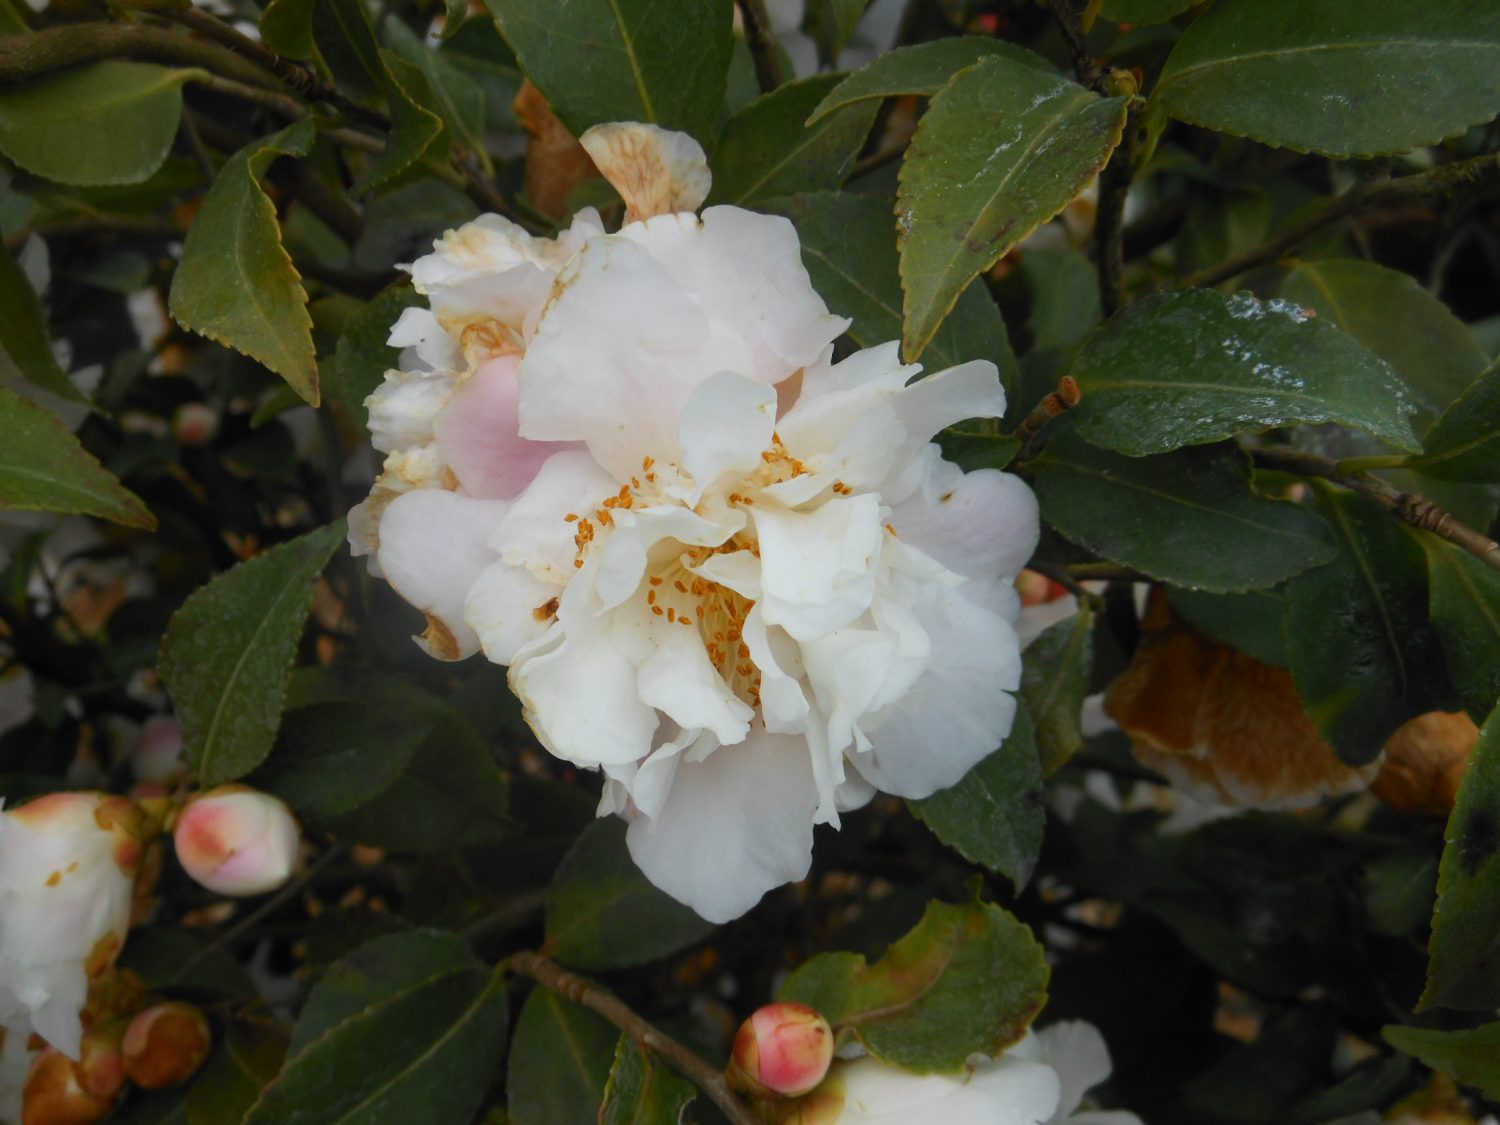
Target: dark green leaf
{"x":1195,"y":366}
{"x":247,"y":1056}
{"x":1064,"y":297}
{"x":1250,"y":622}
{"x":1465,"y":608}
{"x":236,"y":283}
{"x":286,"y":28}
{"x":602,"y":913}
{"x":1143,"y":11}
{"x":1189,"y":517}
{"x":176,"y":959}
{"x":1463,"y":969}
{"x":415,"y":129}
{"x":967,"y":979}
{"x":1472,"y":1056}
{"x":994,"y":815}
{"x":229,"y":650}
{"x":107,"y":122}
{"x":641,"y":1091}
{"x":766,"y":150}
{"x":344,"y":38}
{"x":1464,"y":444}
{"x":457,"y":98}
{"x":624,"y":60}
{"x":1054,"y":679}
{"x":1362,"y":651}
{"x":23,"y":332}
{"x":1380,"y":76}
{"x":924,"y":69}
{"x":1398,"y":889}
{"x":153,"y":1107}
{"x":832,"y":22}
{"x":43,"y":468}
{"x":1002,"y":148}
{"x":559,"y":1063}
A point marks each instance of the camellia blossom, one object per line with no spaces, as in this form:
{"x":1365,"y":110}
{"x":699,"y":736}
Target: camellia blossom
{"x":736,"y":576}
{"x":67,"y":868}
{"x":237,"y":841}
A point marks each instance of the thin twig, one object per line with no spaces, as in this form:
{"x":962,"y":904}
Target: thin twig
{"x":762,"y":43}
{"x":1089,"y":72}
{"x":199,"y":150}
{"x":1066,"y":396}
{"x":572,"y":987}
{"x":283,"y":104}
{"x":1414,"y":509}
{"x":23,"y":57}
{"x":1372,"y":193}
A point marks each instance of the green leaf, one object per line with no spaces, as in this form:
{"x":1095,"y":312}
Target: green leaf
{"x":286,"y":28}
{"x":1396,"y":318}
{"x":346,"y":42}
{"x":23,"y":332}
{"x":1195,"y":366}
{"x":1054,"y":679}
{"x":236,"y":283}
{"x":624,"y":60}
{"x":559,"y":1063}
{"x":1143,"y":12}
{"x":832,"y":22}
{"x":602,"y":913}
{"x":766,"y":150}
{"x":456,"y":98}
{"x":415,"y":129}
{"x":994,"y":815}
{"x":1464,"y":602}
{"x":641,"y":1091}
{"x":171,"y":958}
{"x":923,"y":69}
{"x":1362,"y":651}
{"x":1250,"y":622}
{"x":1064,"y":297}
{"x":1463,"y":967}
{"x":228,"y":653}
{"x":1002,"y":148}
{"x":1471,"y":1056}
{"x":967,"y":979}
{"x":44,"y":468}
{"x":408,"y":1031}
{"x":1189,"y":517}
{"x":1327,"y":76}
{"x":105,"y":122}
{"x":849,"y":248}
{"x":247,"y":1056}
{"x":1464,"y":444}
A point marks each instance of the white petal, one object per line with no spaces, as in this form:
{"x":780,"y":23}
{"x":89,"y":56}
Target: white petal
{"x":403,"y":407}
{"x":417,"y":329}
{"x":507,"y":607}
{"x":726,"y":424}
{"x":625,"y":550}
{"x":676,"y":676}
{"x":1007,"y":1092}
{"x":819,"y":567}
{"x":433,"y":546}
{"x":733,"y":826}
{"x":982,"y":524}
{"x":656,"y":171}
{"x":536,"y":533}
{"x":477,"y":433}
{"x":1077,"y":1052}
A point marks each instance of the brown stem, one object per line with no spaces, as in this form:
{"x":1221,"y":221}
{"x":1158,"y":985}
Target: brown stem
{"x":1065,"y":397}
{"x":572,"y":987}
{"x":762,"y":44}
{"x":1089,"y":72}
{"x":23,"y":57}
{"x":1374,"y":193}
{"x":1414,"y":509}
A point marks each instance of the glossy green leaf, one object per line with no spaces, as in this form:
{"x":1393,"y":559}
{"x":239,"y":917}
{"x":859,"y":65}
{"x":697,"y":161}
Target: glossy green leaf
{"x":1396,"y":318}
{"x":767,"y":151}
{"x":641,"y":1091}
{"x":246,"y":1056}
{"x":44,"y":468}
{"x":286,"y":28}
{"x":849,"y":248}
{"x":456,"y":98}
{"x":602,"y":913}
{"x":1327,"y":76}
{"x":1194,"y":366}
{"x":23,"y":332}
{"x":1250,"y":622}
{"x":967,"y":979}
{"x":1190,"y":517}
{"x":559,"y":1063}
{"x":1362,"y":651}
{"x":1002,"y":148}
{"x":832,"y":22}
{"x":236,"y":283}
{"x":345,"y":40}
{"x":1472,"y":1056}
{"x":108,"y":122}
{"x":1463,"y":968}
{"x":228,"y":653}
{"x":1465,"y":608}
{"x":1464,"y":444}
{"x":923,"y":68}
{"x":994,"y":815}
{"x":624,"y":60}
{"x":1054,"y":679}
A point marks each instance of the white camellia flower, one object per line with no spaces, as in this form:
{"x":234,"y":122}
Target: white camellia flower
{"x":736,"y":576}
{"x":67,"y":868}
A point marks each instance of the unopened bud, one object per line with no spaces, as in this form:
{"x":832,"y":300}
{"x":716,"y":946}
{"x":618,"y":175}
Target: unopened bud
{"x":56,"y":1096}
{"x":237,"y":841}
{"x":783,"y":1050}
{"x":195,"y":423}
{"x":1425,"y":763}
{"x":100,"y":1069}
{"x":166,"y":1044}
{"x":158,"y":751}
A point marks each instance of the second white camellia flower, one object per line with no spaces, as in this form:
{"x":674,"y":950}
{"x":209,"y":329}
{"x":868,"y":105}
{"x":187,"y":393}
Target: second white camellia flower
{"x":735,"y":575}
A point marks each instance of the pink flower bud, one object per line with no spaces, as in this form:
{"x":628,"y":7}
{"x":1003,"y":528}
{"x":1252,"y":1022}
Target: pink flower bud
{"x":237,"y":841}
{"x":158,"y":751}
{"x":166,"y":1044}
{"x":783,"y":1050}
{"x":195,"y":423}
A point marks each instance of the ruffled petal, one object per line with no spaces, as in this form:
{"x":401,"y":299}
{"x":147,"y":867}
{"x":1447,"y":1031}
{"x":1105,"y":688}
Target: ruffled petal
{"x":536,"y":533}
{"x":508,"y":607}
{"x":726,"y":424}
{"x":818,"y":567}
{"x":477,"y":433}
{"x":656,"y":171}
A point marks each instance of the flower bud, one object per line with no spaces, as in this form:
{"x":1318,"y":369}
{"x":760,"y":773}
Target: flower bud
{"x":158,"y":751}
{"x":1425,"y":762}
{"x":195,"y":423}
{"x":56,"y":1096}
{"x":237,"y":841}
{"x":783,"y":1050}
{"x":166,"y":1044}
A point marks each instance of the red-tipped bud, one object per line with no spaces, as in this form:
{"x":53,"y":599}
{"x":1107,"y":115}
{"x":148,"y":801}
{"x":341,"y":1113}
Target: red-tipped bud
{"x":237,"y":841}
{"x":166,"y":1044}
{"x":195,"y":423}
{"x":55,"y":1095}
{"x":783,"y":1050}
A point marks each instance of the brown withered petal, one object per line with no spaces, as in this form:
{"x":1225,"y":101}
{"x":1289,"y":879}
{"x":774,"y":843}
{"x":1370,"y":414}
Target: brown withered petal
{"x":1425,"y":762}
{"x":555,"y":162}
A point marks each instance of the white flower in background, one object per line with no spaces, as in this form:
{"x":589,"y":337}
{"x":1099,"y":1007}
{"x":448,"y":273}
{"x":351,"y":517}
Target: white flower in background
{"x":733,"y":574}
{"x":67,"y":867}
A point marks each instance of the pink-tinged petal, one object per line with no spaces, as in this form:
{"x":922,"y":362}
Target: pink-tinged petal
{"x":982,"y":524}
{"x":477,"y":433}
{"x":508,"y":607}
{"x":726,"y":425}
{"x":536,"y":533}
{"x":656,"y":171}
{"x":818,"y":567}
{"x":236,"y":841}
{"x":733,"y":826}
{"x":433,"y":546}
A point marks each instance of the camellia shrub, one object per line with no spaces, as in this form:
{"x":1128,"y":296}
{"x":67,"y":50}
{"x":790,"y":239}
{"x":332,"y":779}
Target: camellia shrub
{"x":906,"y":562}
